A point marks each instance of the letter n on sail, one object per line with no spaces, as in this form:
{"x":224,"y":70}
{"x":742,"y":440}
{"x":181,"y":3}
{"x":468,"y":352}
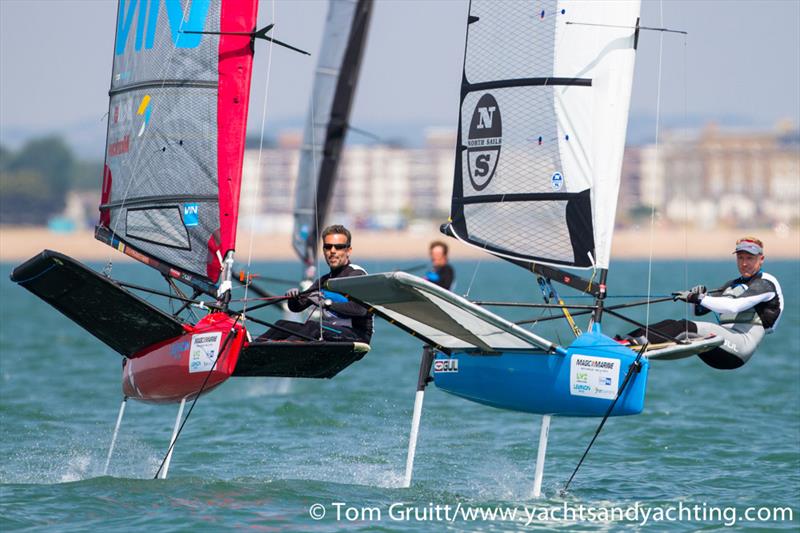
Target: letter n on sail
{"x":483,"y":142}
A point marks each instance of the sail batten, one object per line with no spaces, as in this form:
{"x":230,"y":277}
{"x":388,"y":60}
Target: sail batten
{"x":176,"y":129}
{"x":163,"y":83}
{"x":525,"y":82}
{"x":544,"y":108}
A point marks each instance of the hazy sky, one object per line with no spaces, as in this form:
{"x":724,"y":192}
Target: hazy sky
{"x":741,"y":58}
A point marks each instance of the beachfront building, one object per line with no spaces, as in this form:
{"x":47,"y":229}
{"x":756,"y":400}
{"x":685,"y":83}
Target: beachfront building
{"x":379,"y":186}
{"x":729,"y":177}
{"x":701,"y":178}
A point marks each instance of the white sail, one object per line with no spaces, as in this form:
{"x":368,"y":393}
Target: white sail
{"x":544,"y":108}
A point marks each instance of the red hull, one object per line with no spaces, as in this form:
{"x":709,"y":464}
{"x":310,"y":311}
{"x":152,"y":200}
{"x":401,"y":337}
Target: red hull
{"x":176,"y":369}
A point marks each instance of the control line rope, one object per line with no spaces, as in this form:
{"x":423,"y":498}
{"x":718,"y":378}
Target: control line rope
{"x":253,"y":206}
{"x":221,"y":355}
{"x":634,"y":367}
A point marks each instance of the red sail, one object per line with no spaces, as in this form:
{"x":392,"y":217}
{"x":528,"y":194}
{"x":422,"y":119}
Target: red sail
{"x":176,"y":132}
{"x":235,"y":68}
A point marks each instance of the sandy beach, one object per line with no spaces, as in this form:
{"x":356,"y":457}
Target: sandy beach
{"x":20,"y":243}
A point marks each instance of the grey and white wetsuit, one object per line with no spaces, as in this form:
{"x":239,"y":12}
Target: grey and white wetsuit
{"x":748,"y":308}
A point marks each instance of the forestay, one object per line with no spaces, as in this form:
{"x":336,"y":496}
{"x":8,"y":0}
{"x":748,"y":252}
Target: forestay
{"x":176,"y":129}
{"x":440,"y":317}
{"x":335,"y":81}
{"x":544,"y":104}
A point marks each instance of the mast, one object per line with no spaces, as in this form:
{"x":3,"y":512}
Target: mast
{"x":597,"y":315}
{"x":335,"y":82}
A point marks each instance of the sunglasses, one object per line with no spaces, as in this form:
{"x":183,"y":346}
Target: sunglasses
{"x":327,"y":246}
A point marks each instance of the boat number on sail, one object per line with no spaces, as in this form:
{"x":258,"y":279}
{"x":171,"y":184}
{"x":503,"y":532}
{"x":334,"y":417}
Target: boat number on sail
{"x":483,"y":142}
{"x":445,"y":365}
{"x":596,"y":377}
{"x":203,"y":353}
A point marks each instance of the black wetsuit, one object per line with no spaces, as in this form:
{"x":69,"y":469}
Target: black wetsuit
{"x":442,"y":276}
{"x":342,"y":320}
{"x":747,"y":308}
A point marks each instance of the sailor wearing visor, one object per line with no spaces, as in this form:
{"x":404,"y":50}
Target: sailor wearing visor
{"x":339,"y":319}
{"x":747,"y":308}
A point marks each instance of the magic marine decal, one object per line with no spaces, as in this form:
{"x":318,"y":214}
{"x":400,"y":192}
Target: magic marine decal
{"x":483,"y":142}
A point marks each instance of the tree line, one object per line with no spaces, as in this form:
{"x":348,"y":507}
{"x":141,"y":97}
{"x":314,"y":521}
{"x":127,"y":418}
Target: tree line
{"x":35,"y":179}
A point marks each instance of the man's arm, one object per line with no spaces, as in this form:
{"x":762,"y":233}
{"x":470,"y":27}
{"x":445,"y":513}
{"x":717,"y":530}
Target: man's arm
{"x":724,"y":304}
{"x":699,"y":310}
{"x":301,"y":303}
{"x":339,"y":303}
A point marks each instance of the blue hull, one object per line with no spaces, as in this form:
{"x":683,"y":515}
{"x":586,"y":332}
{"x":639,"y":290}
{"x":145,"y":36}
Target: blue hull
{"x":581,"y":383}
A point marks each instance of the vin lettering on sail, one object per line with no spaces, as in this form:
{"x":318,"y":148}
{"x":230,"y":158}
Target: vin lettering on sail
{"x":484,"y":141}
{"x":147,"y":21}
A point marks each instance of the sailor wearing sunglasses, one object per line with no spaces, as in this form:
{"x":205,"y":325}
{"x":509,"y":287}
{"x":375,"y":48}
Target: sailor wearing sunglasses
{"x":339,"y":319}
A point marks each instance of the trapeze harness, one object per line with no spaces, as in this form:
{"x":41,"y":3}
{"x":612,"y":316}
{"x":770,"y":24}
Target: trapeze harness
{"x":748,"y":308}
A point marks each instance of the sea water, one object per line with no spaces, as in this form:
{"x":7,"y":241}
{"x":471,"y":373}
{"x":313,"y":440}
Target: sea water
{"x":711,"y":449}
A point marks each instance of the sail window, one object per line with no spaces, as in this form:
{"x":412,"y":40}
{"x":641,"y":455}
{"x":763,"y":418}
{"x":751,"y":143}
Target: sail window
{"x":159,"y":225}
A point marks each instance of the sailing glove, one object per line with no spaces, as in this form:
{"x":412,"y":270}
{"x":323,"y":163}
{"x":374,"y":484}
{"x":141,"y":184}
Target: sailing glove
{"x":692,"y":296}
{"x":698,"y":289}
{"x":696,"y":294}
{"x":293,"y":293}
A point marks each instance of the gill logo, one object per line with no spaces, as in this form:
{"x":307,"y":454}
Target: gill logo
{"x":147,"y":19}
{"x":445,"y":365}
{"x":144,"y":110}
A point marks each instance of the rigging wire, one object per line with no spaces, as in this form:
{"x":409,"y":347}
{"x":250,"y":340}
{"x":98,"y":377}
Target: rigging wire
{"x":474,"y":274}
{"x":685,"y":199}
{"x":220,"y":356}
{"x":258,"y":169}
{"x":658,"y":155}
{"x":315,"y":163}
{"x":613,"y":296}
{"x":650,"y":28}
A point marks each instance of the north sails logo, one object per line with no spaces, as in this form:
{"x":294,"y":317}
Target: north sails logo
{"x":483,"y":142}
